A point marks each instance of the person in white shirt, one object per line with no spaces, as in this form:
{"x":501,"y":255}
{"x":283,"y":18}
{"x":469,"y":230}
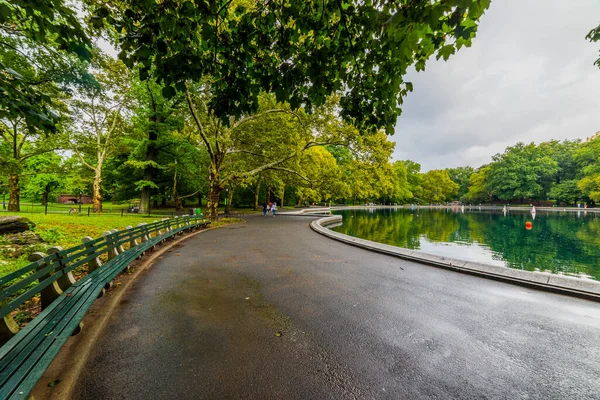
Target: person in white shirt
{"x":274,"y":208}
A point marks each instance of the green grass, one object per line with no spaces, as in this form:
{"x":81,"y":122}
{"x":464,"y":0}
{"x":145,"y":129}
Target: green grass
{"x":63,"y":230}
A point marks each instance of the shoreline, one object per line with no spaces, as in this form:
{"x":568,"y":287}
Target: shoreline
{"x":579,"y":287}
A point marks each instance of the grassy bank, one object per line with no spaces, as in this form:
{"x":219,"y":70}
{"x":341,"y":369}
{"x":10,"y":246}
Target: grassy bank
{"x":60,"y":230}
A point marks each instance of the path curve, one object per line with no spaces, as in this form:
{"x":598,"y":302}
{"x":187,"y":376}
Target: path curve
{"x":272,"y":310}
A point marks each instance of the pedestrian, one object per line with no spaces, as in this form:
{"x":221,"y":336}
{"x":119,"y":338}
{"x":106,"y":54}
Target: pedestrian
{"x":265,"y":209}
{"x":274,"y":208}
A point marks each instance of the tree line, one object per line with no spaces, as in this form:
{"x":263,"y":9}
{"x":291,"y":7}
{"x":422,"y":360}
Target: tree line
{"x":223,"y":99}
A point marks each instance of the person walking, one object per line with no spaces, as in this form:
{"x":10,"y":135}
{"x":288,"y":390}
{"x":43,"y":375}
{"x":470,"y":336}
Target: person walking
{"x":264,"y":209}
{"x":274,"y":208}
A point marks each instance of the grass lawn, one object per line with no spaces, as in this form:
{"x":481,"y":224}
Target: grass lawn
{"x":61,"y":230}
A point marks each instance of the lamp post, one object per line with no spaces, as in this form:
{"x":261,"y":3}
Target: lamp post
{"x":80,"y":194}
{"x":226,"y":199}
{"x":3,"y":199}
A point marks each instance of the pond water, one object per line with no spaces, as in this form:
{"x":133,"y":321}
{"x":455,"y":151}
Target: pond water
{"x":567,"y":242}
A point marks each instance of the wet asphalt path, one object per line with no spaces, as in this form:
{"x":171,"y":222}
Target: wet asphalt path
{"x":272,"y":310}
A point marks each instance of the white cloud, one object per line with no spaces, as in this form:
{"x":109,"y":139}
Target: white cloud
{"x":529,"y":76}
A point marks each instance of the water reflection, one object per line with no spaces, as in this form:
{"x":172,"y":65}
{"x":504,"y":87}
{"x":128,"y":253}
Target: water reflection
{"x":559,"y":242}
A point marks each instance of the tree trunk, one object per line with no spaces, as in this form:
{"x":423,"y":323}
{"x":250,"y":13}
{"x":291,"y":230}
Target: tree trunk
{"x":97,"y":189}
{"x":229,"y":200}
{"x":268,"y":195}
{"x":200,"y":200}
{"x":177,"y":199}
{"x":163,"y":202}
{"x":15,"y":191}
{"x":256,"y":193}
{"x":151,"y":153}
{"x":214,"y":190}
{"x":282,"y":196}
{"x":45,"y":194}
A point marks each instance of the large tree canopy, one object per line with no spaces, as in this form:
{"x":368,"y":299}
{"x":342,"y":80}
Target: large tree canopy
{"x":302,"y":51}
{"x":47,"y":36}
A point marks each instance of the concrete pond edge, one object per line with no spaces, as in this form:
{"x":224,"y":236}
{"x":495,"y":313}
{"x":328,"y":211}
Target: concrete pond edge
{"x":571,"y":286}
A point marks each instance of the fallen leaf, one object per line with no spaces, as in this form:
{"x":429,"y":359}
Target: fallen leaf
{"x":247,"y":298}
{"x":278,"y":334}
{"x":49,"y":333}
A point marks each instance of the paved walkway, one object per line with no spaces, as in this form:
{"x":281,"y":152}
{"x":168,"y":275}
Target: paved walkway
{"x":272,"y":310}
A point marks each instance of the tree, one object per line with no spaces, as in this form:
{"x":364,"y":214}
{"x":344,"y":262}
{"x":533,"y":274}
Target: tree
{"x":155,"y":119}
{"x":519,"y":171}
{"x":30,"y":30}
{"x":100,"y":125}
{"x":403,"y":192}
{"x":479,"y":188}
{"x":461,"y":176}
{"x":303,"y":51}
{"x":587,"y":158}
{"x":566,"y":191}
{"x":254,"y":144}
{"x":414,"y":178}
{"x":42,"y":46}
{"x":42,"y":175}
{"x":437,"y":186}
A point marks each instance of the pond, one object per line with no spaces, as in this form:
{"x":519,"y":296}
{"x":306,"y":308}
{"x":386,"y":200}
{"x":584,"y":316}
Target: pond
{"x":567,"y":242}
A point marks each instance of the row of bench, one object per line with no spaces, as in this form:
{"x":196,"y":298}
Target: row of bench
{"x":65,"y":301}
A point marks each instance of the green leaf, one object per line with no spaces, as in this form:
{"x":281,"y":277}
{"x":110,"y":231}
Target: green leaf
{"x":168,"y":92}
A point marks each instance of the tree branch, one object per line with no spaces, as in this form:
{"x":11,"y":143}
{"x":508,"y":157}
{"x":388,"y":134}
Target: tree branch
{"x":253,"y":117}
{"x":292,"y":172}
{"x":198,"y":123}
{"x":83,"y":160}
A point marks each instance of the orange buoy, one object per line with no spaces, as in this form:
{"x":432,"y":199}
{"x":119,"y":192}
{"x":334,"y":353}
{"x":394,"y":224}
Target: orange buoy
{"x":528,"y":225}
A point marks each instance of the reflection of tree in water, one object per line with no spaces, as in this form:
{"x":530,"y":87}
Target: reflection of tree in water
{"x":557,"y":242}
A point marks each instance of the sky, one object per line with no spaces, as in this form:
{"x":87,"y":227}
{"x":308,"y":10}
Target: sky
{"x":529,"y":76}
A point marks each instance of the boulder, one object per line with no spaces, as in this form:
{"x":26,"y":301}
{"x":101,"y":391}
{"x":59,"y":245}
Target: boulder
{"x":15,"y":224}
{"x":24,"y":238}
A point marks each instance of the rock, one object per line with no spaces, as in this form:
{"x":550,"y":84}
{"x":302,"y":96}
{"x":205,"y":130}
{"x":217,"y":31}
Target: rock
{"x":24,"y":238}
{"x":11,"y":251}
{"x":15,"y":224}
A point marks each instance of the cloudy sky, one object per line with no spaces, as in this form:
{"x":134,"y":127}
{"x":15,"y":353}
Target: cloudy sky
{"x":529,"y":76}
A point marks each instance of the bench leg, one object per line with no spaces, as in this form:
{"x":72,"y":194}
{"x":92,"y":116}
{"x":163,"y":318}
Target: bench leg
{"x":8,"y":328}
{"x":77,"y":329}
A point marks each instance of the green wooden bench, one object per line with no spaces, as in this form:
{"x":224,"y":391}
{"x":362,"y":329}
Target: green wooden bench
{"x":65,"y":301}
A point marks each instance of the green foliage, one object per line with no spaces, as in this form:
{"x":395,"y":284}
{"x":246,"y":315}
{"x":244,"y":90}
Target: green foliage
{"x":302,"y":51}
{"x":41,"y":42}
{"x":461,"y":176}
{"x":479,"y":188}
{"x":437,"y":187}
{"x":594,"y":36}
{"x":517,"y":173}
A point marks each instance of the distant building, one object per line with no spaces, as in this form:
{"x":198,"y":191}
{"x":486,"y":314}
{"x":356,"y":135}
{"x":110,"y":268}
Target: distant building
{"x":74,"y":199}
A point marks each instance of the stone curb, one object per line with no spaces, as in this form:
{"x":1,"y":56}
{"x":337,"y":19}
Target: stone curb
{"x":577,"y":287}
